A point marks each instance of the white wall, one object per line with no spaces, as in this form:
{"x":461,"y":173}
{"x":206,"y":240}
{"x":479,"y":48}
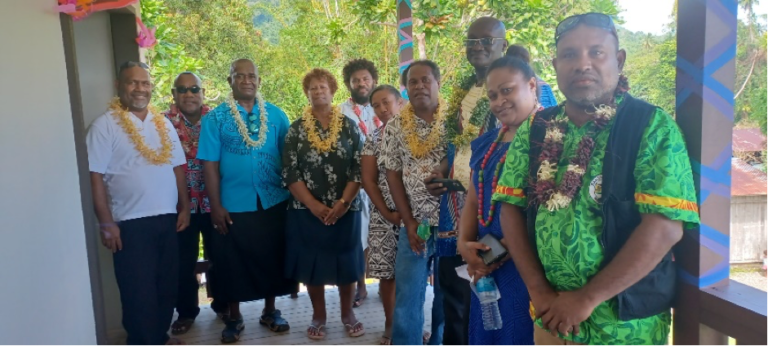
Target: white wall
{"x":93,"y":48}
{"x":748,"y":230}
{"x":45,"y":286}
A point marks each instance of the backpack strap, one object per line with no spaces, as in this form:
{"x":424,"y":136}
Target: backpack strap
{"x":618,"y":185}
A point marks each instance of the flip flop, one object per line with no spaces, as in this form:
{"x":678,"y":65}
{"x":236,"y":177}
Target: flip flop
{"x":359,"y":301}
{"x":316,"y":332}
{"x":351,"y":329}
{"x":425,"y":337}
{"x":385,"y":340}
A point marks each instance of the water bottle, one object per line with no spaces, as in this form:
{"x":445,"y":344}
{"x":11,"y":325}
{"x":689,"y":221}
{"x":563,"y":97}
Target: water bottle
{"x":489,"y":295}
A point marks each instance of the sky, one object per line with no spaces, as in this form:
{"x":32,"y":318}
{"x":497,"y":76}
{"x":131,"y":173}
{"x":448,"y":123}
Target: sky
{"x":651,"y":16}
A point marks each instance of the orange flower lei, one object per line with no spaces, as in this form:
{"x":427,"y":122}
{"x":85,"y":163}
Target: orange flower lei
{"x":420,"y":148}
{"x":155,"y":157}
{"x":314,"y":137}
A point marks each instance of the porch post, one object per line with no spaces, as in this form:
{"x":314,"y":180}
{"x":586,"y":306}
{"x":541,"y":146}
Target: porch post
{"x":706,"y":51}
{"x":405,"y":37}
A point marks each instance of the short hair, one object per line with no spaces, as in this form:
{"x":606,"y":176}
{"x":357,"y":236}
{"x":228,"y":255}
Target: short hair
{"x":519,"y":52}
{"x":429,"y":63}
{"x":515,"y":64}
{"x":385,"y":87}
{"x":232,"y":65}
{"x":130,"y":64}
{"x":320,"y":74}
{"x":357,"y":65}
{"x":186,"y":73}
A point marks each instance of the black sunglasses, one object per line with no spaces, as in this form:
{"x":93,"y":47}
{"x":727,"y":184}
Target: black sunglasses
{"x":183,"y":90}
{"x":485,"y":41}
{"x":593,"y":19}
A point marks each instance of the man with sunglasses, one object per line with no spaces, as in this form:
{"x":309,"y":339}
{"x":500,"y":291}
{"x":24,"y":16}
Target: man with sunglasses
{"x":468,"y":116}
{"x":595,"y":194}
{"x":241,"y":144}
{"x":186,"y":115}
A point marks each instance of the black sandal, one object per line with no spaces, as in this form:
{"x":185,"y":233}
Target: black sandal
{"x":275,"y":322}
{"x":181,"y":325}
{"x":232,"y":331}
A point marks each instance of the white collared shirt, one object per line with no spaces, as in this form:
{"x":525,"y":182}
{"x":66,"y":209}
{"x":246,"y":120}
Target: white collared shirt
{"x":136,"y":188}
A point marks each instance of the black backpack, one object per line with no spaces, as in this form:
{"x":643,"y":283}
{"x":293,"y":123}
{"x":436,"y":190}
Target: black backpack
{"x":654,"y":293}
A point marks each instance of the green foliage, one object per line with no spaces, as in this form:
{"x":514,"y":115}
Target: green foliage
{"x":650,"y":67}
{"x":168,"y":57}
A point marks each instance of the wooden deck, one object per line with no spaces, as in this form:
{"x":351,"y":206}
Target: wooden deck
{"x":298,"y":312}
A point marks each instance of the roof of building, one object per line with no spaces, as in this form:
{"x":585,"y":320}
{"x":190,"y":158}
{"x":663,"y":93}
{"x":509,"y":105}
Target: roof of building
{"x":747,"y":180}
{"x":748,"y":140}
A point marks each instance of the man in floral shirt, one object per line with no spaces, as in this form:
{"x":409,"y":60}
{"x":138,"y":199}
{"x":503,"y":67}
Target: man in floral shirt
{"x":186,"y":114}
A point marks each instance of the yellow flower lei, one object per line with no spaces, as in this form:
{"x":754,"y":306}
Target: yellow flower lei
{"x":420,"y":148}
{"x":241,"y":128}
{"x":322,"y":145}
{"x":154,"y":157}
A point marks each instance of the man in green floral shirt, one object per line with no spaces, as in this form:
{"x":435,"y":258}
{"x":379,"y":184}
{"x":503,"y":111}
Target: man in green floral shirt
{"x":572,"y":282}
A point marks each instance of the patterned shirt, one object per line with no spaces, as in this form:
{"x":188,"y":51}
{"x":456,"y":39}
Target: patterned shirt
{"x":568,"y":239}
{"x":248,"y":175}
{"x":373,"y":147}
{"x":189,"y":135}
{"x":325,"y":174}
{"x":397,"y":157}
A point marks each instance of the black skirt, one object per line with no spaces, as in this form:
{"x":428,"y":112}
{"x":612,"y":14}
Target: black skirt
{"x":323,"y":255}
{"x":249,"y":260}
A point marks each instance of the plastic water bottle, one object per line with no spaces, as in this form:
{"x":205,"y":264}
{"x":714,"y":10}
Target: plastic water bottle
{"x":489,"y":295}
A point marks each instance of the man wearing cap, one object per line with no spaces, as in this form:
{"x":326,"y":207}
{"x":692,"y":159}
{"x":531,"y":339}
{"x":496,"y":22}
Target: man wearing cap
{"x":608,"y":188}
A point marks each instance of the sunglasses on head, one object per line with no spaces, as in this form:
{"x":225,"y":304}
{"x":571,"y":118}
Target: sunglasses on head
{"x":485,"y":41}
{"x":593,"y":19}
{"x":183,"y":90}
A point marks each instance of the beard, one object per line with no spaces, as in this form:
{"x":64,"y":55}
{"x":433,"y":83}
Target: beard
{"x":359,"y":97}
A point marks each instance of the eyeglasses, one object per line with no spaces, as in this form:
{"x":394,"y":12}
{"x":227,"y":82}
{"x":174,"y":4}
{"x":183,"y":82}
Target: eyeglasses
{"x":593,"y":19}
{"x":485,"y":41}
{"x":183,"y":90}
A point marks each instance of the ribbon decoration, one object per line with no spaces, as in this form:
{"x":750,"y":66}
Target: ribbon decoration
{"x":146,"y":38}
{"x":79,"y":9}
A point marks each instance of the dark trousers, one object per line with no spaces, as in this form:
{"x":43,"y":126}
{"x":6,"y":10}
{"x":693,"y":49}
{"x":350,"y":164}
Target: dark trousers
{"x":187,"y":304}
{"x":146,"y":270}
{"x":456,"y":297}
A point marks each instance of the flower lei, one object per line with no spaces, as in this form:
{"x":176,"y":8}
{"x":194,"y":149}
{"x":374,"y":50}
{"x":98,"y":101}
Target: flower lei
{"x":545,"y":191}
{"x":319,"y":144}
{"x":245,"y":133}
{"x":420,"y":148}
{"x":158,"y":157}
{"x":457,"y":135}
{"x":359,"y":114}
{"x":480,"y":191}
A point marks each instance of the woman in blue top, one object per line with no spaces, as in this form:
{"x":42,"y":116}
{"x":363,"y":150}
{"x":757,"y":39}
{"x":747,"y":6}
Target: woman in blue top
{"x":512,"y":90}
{"x":546,"y":96}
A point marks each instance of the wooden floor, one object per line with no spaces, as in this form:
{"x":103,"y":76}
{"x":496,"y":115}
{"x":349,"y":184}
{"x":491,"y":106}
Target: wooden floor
{"x":298,"y":312}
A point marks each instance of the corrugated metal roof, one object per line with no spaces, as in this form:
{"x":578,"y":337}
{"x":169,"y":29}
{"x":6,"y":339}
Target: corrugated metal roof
{"x":748,"y":140}
{"x":747,"y":180}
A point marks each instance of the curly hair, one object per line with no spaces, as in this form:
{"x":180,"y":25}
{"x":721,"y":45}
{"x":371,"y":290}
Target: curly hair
{"x":356,"y":65}
{"x":320,"y":74}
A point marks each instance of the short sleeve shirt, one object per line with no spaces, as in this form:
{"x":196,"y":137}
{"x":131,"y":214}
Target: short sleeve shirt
{"x":326,"y":174}
{"x":248,"y":175}
{"x":397,"y":157}
{"x":136,"y":187}
{"x":568,"y":239}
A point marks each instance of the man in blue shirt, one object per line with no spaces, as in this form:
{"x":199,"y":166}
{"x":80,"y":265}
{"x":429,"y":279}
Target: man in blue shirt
{"x":241,"y":143}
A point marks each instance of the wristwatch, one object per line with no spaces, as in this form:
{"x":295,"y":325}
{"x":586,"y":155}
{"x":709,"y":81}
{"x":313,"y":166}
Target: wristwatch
{"x":345,"y":203}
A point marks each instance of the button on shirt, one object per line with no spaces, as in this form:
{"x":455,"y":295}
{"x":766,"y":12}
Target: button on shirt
{"x":247,"y":174}
{"x":136,"y":187}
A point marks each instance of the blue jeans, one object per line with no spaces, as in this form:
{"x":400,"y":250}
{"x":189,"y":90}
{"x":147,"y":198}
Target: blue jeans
{"x":411,"y":274}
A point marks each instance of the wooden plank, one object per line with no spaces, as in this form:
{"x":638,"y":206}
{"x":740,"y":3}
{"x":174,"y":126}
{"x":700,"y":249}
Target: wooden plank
{"x":298,"y":312}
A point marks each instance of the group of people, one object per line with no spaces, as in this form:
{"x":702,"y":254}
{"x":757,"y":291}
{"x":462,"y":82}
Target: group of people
{"x":586,"y":197}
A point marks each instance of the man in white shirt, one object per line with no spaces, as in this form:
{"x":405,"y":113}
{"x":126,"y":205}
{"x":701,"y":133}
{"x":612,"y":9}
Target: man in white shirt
{"x":360,"y":77}
{"x":135,"y":157}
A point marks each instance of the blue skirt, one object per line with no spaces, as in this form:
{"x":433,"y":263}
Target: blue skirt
{"x":323,"y":255}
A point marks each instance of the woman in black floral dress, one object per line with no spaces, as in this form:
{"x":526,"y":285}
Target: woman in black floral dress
{"x":321,"y":168}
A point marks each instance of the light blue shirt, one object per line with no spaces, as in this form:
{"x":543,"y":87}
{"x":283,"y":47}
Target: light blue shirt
{"x":247,"y":174}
